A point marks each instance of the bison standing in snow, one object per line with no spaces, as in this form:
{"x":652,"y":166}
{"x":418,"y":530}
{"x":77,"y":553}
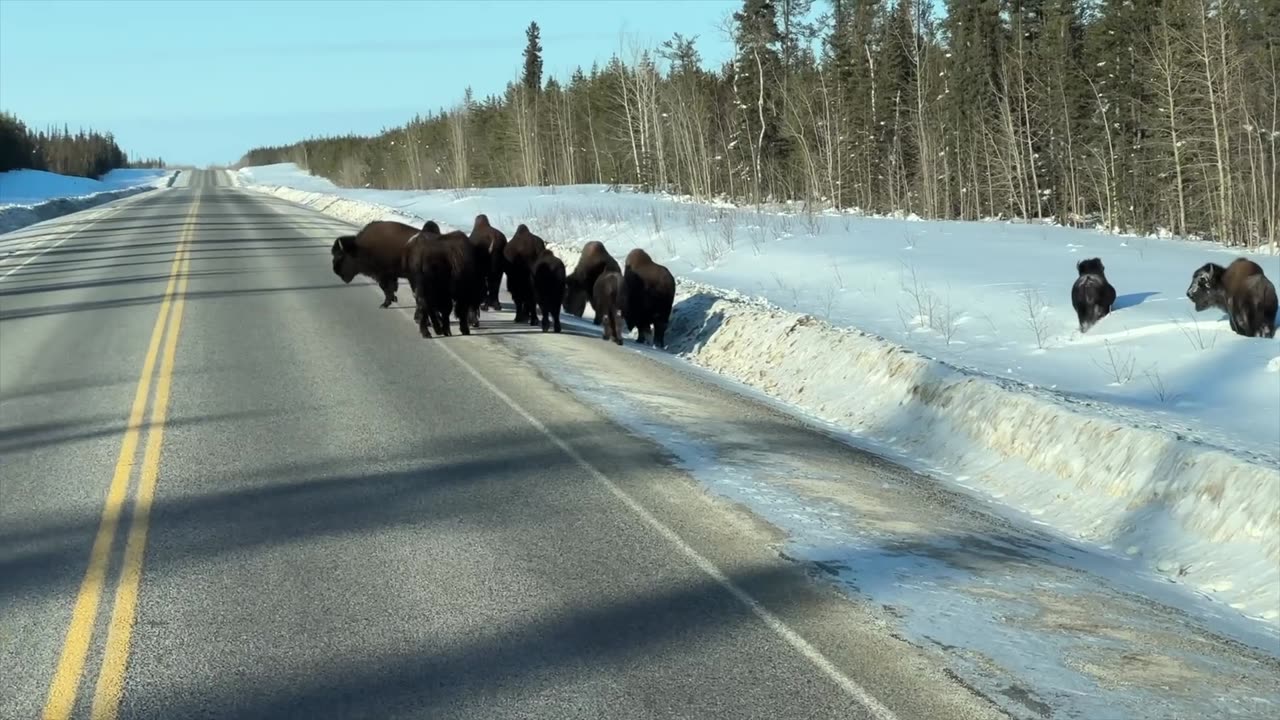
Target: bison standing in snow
{"x":548,"y":288}
{"x":1242,"y":290}
{"x":376,"y":252}
{"x":649,"y":291}
{"x":445,"y":272}
{"x":579,"y":286}
{"x":1091,"y":294}
{"x":609,"y":302}
{"x":520,"y":254}
{"x":494,"y":243}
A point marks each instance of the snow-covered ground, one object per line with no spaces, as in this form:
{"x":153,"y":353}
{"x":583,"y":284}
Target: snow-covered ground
{"x":30,"y":196}
{"x":952,"y":347}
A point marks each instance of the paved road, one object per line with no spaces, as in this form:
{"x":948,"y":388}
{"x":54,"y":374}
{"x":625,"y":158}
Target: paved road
{"x":318,"y":514}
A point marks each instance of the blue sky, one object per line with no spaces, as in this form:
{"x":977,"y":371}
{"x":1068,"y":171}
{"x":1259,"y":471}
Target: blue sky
{"x":201,"y":82}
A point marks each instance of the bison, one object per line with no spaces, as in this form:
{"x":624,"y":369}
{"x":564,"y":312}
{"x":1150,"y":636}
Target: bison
{"x":520,"y":255}
{"x":548,"y":288}
{"x":1242,"y":290}
{"x":1091,"y":294}
{"x":649,"y":290}
{"x":445,"y":272}
{"x":376,"y":252}
{"x":593,"y":261}
{"x":494,"y":243}
{"x":609,"y":302}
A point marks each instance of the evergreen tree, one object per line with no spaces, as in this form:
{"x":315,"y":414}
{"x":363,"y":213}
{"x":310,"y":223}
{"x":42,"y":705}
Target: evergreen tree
{"x":532,"y":78}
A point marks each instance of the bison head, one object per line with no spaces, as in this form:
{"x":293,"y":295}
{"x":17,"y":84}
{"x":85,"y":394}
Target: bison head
{"x":1206,"y":289}
{"x":345,"y":264}
{"x":575,"y":296}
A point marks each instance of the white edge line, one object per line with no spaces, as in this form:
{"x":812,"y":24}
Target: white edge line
{"x":89,"y":223}
{"x":773,"y":622}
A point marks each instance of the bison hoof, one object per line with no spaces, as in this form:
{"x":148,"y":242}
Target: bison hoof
{"x":557,"y":327}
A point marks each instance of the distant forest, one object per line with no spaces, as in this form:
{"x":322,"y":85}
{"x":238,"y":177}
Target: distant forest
{"x":84,"y":154}
{"x":1136,"y":115}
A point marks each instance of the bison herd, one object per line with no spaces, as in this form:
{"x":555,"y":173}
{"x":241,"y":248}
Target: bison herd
{"x":460,"y":274}
{"x":1241,"y":290}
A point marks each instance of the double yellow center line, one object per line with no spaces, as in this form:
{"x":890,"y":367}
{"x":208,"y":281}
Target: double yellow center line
{"x":75,"y":649}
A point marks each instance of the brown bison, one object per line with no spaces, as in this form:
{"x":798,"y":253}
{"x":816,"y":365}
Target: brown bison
{"x":579,"y":286}
{"x":1091,"y":295}
{"x":520,"y":255}
{"x":376,"y":252}
{"x":548,"y":288}
{"x":649,"y":290}
{"x":608,"y":300}
{"x":444,"y":270}
{"x":494,"y":242}
{"x":1242,"y":290}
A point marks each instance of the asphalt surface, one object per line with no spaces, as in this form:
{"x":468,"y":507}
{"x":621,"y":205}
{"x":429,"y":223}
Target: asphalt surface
{"x":349,"y":521}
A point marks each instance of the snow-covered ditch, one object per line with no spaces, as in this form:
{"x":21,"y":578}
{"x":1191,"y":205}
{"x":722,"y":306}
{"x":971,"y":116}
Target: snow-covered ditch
{"x":32,"y":196}
{"x":1179,"y":488}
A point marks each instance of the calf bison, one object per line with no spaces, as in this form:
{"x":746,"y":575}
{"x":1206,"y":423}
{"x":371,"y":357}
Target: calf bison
{"x":444,"y":270}
{"x":593,"y":261}
{"x":1242,"y":291}
{"x":520,"y":255}
{"x":609,"y":302}
{"x":548,"y":288}
{"x":649,"y":290}
{"x":494,"y":243}
{"x":376,"y":252}
{"x":1091,"y":294}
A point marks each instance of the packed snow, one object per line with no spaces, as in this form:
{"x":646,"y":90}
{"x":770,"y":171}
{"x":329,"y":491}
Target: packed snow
{"x":31,"y":196}
{"x":29,"y":187}
{"x":953,"y":348}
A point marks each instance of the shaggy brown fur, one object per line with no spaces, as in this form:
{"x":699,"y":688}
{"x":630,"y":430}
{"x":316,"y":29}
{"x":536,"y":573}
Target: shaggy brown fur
{"x":594,"y":260}
{"x":609,"y":303}
{"x":494,"y":242}
{"x":376,"y":252}
{"x":649,"y":291}
{"x":520,"y":255}
{"x":1242,"y":290}
{"x":548,"y":288}
{"x":1091,"y":295}
{"x":444,"y":271}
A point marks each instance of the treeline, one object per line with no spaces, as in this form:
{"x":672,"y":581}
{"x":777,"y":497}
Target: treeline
{"x":1131,"y":114}
{"x":84,"y":154}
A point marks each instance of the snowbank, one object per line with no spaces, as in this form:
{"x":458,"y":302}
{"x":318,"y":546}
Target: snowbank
{"x":1193,"y":503}
{"x":31,"y":196}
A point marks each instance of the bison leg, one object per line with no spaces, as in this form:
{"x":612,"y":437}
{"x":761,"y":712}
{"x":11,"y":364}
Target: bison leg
{"x":464,"y":317}
{"x":439,"y":321}
{"x":491,"y":292}
{"x":533,"y":314}
{"x":555,"y":317}
{"x":617,"y":336}
{"x":389,"y":286}
{"x":425,"y":320}
{"x":660,"y":334}
{"x":546,"y":319}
